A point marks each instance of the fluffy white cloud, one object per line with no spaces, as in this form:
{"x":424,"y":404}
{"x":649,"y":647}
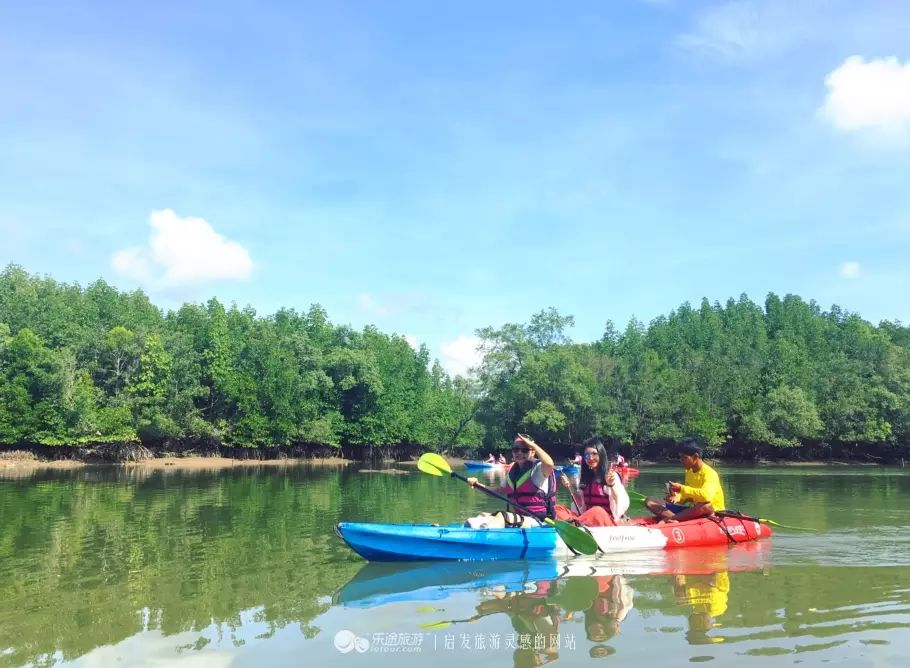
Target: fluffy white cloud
{"x":372,"y":306}
{"x":182,"y":252}
{"x":412,"y":341}
{"x":869,"y":94}
{"x":460,"y":355}
{"x":850,"y":269}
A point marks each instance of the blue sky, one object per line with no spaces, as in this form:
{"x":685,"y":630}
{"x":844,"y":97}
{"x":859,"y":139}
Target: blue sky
{"x":432,"y":168}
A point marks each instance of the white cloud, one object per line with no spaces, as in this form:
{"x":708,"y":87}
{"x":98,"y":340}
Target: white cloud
{"x":869,"y":95}
{"x":850,"y":269}
{"x":412,"y":341}
{"x":182,"y":252}
{"x":132,"y":263}
{"x":461,"y":355}
{"x":741,"y":31}
{"x":152,"y":649}
{"x":726,"y":30}
{"x":372,"y":306}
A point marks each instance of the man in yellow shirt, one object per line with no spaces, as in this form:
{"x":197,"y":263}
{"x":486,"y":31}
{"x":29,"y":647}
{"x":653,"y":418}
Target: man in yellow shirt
{"x":699,"y":496}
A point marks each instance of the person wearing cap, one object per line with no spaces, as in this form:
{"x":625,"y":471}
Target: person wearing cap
{"x":530,"y":482}
{"x":700,"y":495}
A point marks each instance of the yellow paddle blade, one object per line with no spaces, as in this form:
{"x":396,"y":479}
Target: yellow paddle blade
{"x":433,"y":464}
{"x":436,"y":626}
{"x":784,"y":526}
{"x":428,"y":608}
{"x":636,"y":497}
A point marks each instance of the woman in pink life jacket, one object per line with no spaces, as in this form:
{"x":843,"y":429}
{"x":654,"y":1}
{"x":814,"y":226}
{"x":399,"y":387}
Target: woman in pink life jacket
{"x":601,"y":499}
{"x":530,"y":482}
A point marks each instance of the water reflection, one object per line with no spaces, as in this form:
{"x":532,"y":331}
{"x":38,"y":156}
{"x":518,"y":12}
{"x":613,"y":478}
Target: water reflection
{"x":539,"y":598}
{"x":534,"y":619}
{"x":107,"y":566}
{"x":707,"y":596}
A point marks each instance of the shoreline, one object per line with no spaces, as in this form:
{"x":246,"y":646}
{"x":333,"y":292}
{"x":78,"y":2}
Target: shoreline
{"x":27,"y":461}
{"x":174,"y":463}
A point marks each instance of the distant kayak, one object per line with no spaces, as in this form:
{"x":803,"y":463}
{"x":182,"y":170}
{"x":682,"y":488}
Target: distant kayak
{"x":478,"y":465}
{"x":574,"y":469}
{"x":413,"y":542}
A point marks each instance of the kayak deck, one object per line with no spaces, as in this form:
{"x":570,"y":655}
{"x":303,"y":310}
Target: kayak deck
{"x":421,"y":542}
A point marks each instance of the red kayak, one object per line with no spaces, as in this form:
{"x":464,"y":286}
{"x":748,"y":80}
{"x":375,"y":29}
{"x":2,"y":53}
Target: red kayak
{"x":627,"y":471}
{"x":706,"y":531}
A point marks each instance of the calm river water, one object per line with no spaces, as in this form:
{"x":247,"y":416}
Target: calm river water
{"x":240,"y":567}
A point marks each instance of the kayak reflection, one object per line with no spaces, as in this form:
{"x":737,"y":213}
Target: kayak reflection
{"x":538,"y":596}
{"x":381,"y":583}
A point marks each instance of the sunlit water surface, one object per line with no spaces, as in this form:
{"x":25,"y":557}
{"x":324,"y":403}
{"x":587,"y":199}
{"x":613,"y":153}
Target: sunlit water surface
{"x":241,"y":567}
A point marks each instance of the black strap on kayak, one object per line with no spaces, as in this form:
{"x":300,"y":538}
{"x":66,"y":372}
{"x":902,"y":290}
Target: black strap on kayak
{"x":719,"y":521}
{"x":524,"y":547}
{"x":736,"y":515}
{"x":742,"y":517}
{"x":510,"y":519}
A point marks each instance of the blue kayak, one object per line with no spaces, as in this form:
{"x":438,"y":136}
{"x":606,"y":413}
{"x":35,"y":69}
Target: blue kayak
{"x":422,"y":542}
{"x":492,"y":466}
{"x":568,"y":469}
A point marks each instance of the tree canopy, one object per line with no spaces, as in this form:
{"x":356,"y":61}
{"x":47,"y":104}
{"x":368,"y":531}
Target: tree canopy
{"x":96,"y":364}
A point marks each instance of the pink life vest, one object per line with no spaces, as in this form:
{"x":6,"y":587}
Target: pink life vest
{"x":522,"y":490}
{"x":596,"y":494}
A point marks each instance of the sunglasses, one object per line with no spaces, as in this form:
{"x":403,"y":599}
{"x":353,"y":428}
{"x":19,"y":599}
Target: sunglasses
{"x":521,"y":449}
{"x":591,"y":455}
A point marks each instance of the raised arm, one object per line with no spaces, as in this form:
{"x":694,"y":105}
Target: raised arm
{"x":546,"y":462}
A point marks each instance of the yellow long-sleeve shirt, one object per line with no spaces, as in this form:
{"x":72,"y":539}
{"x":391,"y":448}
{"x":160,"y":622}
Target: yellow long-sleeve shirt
{"x":703,"y":486}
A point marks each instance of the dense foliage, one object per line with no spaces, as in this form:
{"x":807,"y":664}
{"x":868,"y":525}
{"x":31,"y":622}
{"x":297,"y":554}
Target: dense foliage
{"x":98,"y":365}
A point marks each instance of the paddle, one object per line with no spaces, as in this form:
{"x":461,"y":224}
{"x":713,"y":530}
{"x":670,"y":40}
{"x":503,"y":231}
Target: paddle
{"x":740,"y":516}
{"x":436,"y":626}
{"x":571,"y":495}
{"x":640,"y":498}
{"x":576,"y":538}
{"x":635,"y":496}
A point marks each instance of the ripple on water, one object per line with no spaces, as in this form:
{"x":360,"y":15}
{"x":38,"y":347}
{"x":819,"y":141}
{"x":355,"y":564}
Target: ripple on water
{"x":881,"y":546}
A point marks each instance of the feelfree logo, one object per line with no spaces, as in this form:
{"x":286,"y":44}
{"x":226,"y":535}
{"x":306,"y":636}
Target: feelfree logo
{"x":345,"y":641}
